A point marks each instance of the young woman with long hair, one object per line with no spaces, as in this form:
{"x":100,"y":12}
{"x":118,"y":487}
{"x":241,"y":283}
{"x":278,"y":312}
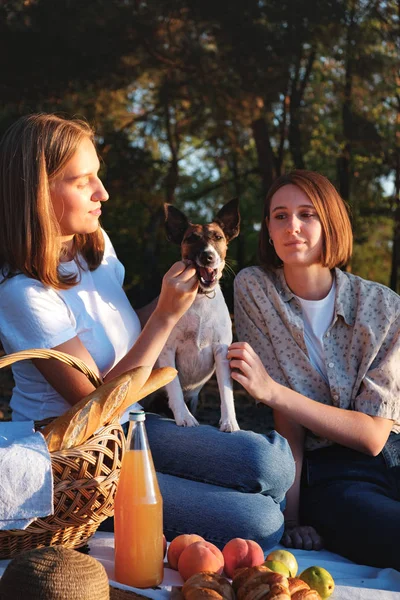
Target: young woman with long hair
{"x":61,"y":288}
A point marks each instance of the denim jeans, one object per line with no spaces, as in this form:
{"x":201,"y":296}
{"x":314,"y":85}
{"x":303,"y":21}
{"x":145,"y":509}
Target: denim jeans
{"x":353,"y":501}
{"x":220,"y":485}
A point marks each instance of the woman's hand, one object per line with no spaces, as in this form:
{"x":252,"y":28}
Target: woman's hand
{"x":248,"y":370}
{"x":302,"y":537}
{"x":178,"y":290}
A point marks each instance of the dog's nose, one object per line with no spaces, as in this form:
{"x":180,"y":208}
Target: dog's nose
{"x":206,"y":257}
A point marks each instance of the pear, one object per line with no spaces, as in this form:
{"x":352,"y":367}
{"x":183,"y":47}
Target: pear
{"x":320,"y":580}
{"x":287,"y":558}
{"x":277,"y":567}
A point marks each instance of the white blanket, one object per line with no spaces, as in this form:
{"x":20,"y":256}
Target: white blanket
{"x":353,"y":582}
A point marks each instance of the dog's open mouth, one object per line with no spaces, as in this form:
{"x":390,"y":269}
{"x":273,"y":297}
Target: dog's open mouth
{"x":206,"y":276}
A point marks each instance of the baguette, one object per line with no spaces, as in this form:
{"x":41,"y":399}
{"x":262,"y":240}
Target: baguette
{"x":104,"y":404}
{"x":158,"y":378}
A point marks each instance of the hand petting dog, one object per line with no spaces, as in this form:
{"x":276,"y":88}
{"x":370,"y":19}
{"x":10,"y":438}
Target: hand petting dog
{"x":181,"y":278}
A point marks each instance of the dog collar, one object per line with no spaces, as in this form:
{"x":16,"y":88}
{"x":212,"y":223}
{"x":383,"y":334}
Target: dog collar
{"x":207,"y":294}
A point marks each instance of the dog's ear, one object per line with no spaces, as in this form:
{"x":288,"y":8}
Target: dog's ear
{"x":176,"y":223}
{"x":228,"y":218}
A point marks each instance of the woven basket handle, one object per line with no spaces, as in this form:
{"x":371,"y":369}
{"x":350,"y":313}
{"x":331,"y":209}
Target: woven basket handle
{"x":72,"y":361}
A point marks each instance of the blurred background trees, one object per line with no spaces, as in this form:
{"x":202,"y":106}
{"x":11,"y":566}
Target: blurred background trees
{"x":196,"y":102}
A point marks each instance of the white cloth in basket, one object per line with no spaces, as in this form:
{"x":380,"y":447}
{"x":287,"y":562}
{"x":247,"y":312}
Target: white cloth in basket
{"x":26,"y":477}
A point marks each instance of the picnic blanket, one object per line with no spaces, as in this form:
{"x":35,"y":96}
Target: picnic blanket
{"x":353,"y":582}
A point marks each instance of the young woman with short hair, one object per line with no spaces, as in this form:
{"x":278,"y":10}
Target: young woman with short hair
{"x":321,"y":347}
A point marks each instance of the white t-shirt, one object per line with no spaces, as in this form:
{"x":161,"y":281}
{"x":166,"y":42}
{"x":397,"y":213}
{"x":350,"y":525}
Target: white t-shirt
{"x":317,"y":316}
{"x":96,"y":310}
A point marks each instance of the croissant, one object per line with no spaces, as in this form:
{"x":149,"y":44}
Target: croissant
{"x":306,"y":595}
{"x":255,"y":583}
{"x":207,"y":586}
{"x":240,"y":576}
{"x":300,"y":590}
{"x":296,"y":585}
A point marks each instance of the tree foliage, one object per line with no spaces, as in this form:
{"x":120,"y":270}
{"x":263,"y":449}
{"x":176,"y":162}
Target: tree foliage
{"x":197,"y":102}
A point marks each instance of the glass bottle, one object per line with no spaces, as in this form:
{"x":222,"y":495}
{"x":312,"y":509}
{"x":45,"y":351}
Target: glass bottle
{"x":138,"y":513}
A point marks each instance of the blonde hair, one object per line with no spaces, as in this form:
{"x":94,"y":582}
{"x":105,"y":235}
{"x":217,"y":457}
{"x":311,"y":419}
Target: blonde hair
{"x":33,"y":151}
{"x":331,"y":209}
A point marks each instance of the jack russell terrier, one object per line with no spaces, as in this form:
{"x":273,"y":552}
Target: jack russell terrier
{"x":199,"y":342}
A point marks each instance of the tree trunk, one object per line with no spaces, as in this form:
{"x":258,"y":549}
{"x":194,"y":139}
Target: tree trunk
{"x":241,"y":241}
{"x":298,"y":88}
{"x":171,"y":180}
{"x":345,"y":159}
{"x":394,"y":274}
{"x":295,"y":133}
{"x":265,"y":154}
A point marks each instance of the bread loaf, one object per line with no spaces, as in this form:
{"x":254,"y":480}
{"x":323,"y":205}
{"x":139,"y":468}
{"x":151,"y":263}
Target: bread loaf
{"x":107,"y":402}
{"x":207,"y":586}
{"x":255,"y":583}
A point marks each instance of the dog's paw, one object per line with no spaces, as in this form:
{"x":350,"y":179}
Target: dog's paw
{"x":186,"y":420}
{"x":229,"y":425}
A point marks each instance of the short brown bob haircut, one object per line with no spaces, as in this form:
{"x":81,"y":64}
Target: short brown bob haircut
{"x":33,"y":152}
{"x":332,"y":212}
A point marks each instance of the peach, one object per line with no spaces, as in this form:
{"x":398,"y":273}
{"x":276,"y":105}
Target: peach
{"x":177,"y":546}
{"x":164,"y":544}
{"x":200,"y":556}
{"x":240,"y":553}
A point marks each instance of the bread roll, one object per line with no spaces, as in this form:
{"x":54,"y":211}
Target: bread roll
{"x":105,"y":403}
{"x":207,"y":586}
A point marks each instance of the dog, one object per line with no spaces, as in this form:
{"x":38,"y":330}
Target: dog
{"x":199,"y":342}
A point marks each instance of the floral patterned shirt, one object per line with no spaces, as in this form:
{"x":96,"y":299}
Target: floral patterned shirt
{"x":361,"y":345}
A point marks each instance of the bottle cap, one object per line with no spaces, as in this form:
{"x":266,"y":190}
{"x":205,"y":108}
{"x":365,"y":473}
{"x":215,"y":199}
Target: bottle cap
{"x":137,"y":415}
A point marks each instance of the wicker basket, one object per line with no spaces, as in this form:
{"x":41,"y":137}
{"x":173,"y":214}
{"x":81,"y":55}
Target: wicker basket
{"x":85,"y":480}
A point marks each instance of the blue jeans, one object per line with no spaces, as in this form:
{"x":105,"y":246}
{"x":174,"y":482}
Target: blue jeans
{"x":220,"y":485}
{"x":353,"y":501}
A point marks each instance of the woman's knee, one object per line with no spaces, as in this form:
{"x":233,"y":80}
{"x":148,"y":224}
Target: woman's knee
{"x":219,"y":514}
{"x":264,"y":526}
{"x":272,"y":463}
{"x":242,"y":460}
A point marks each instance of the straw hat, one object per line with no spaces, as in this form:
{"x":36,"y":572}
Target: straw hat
{"x":54,"y":573}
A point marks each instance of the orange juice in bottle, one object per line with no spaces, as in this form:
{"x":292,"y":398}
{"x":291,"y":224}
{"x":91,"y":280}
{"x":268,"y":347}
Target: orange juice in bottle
{"x":138,"y":520}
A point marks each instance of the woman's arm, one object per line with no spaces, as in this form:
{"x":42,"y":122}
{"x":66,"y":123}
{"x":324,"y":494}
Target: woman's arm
{"x":178,"y":291}
{"x":349,"y":428}
{"x":295,"y":535}
{"x":145,"y":312}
